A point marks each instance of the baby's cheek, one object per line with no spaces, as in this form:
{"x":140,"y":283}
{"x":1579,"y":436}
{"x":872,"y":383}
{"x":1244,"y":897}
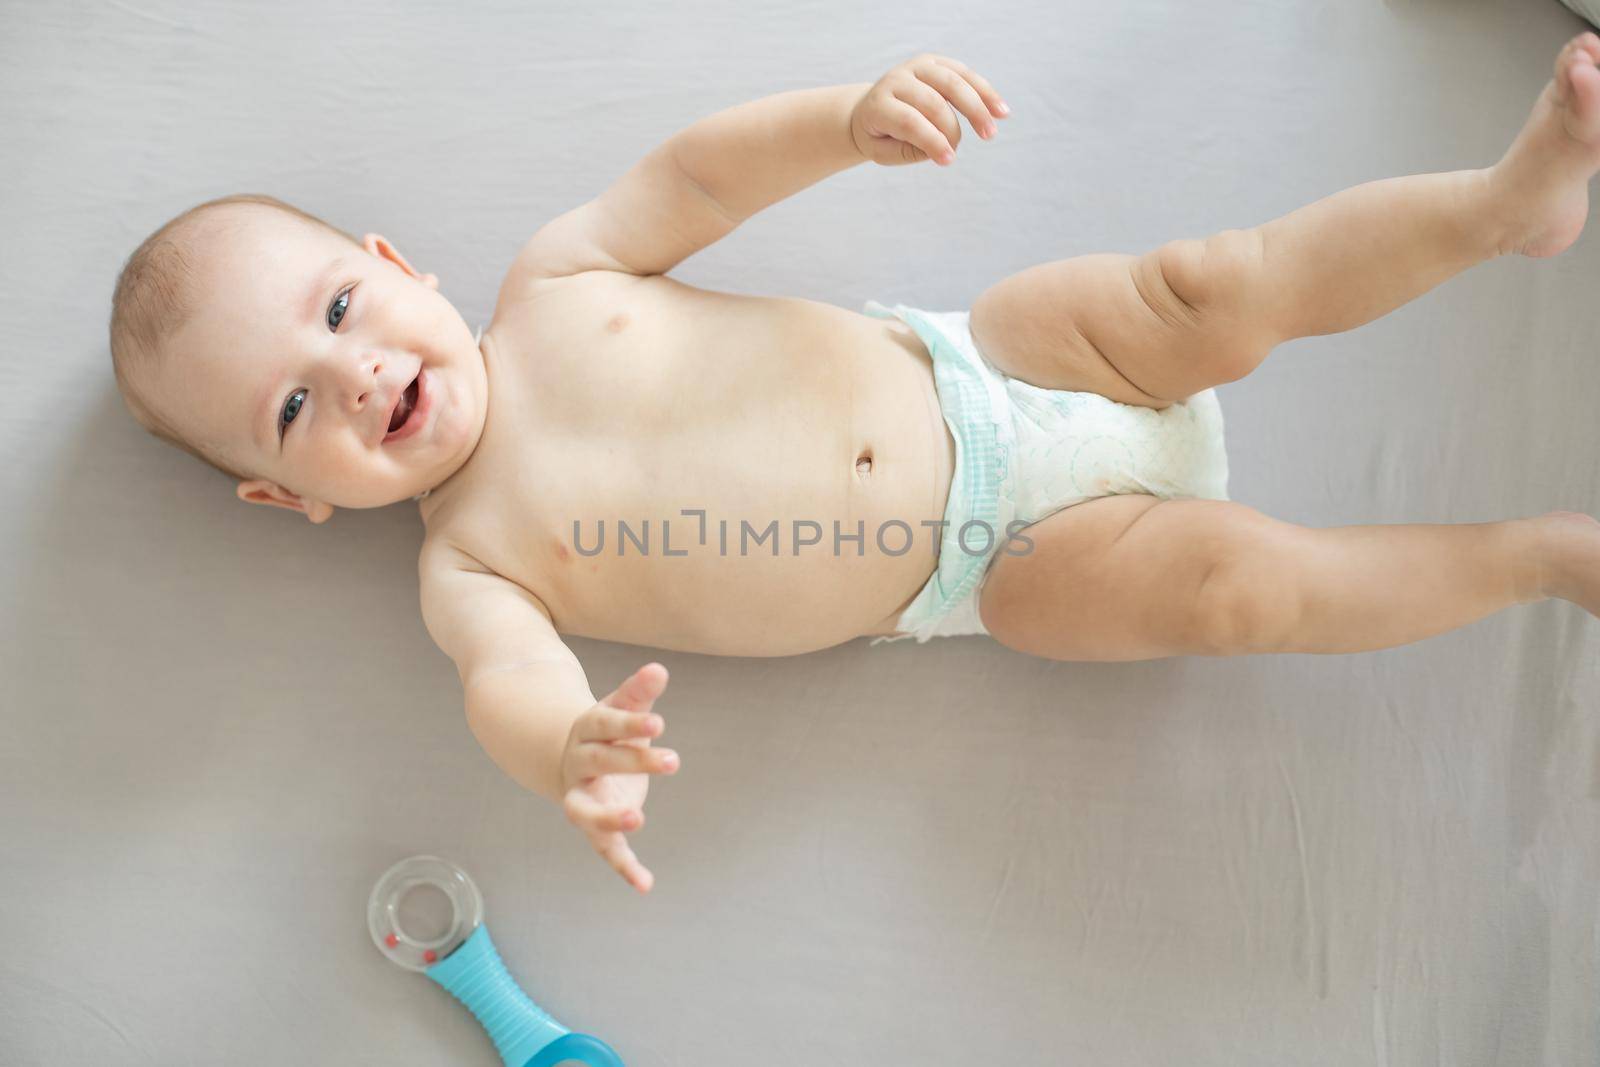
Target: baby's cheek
{"x":346,"y":471}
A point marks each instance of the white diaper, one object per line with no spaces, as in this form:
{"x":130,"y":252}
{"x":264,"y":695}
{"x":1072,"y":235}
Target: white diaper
{"x":1073,"y":447}
{"x":1023,"y":453}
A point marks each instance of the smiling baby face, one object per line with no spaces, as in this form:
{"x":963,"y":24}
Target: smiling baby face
{"x":333,"y":372}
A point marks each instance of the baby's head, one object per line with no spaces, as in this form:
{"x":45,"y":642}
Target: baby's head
{"x":281,"y":351}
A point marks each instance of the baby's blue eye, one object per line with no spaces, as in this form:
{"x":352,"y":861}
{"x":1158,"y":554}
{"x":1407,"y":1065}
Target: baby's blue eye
{"x":336,"y":312}
{"x":291,"y":408}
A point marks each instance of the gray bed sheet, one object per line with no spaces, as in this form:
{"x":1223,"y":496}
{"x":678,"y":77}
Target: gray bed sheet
{"x":222,"y":724}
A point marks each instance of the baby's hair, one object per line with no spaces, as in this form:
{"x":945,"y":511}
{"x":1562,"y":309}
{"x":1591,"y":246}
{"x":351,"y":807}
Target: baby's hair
{"x":153,"y":299}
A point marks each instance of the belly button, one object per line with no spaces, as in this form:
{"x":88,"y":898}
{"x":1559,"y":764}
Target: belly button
{"x":864,"y":464}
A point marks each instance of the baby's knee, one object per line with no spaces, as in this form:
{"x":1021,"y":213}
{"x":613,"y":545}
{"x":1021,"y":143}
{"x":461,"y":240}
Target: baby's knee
{"x":1202,"y":272}
{"x":1249,"y":598}
{"x":1205,"y":287}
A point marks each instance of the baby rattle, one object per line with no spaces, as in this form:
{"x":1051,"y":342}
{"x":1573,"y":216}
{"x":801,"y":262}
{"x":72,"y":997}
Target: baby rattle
{"x":465,"y":962}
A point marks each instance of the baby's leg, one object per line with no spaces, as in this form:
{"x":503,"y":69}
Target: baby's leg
{"x":1134,"y":577}
{"x":1196,"y":313}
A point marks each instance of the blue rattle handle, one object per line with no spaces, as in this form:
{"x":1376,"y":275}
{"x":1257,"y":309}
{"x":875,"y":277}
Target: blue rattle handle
{"x":523,"y":1033}
{"x":580,"y":1047}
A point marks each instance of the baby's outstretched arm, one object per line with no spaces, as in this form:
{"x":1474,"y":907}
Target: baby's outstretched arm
{"x":529,"y":705}
{"x":696,"y":187}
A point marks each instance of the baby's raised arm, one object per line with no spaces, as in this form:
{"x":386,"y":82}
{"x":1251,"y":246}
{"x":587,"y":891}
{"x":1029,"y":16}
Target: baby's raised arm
{"x":701,"y":183}
{"x":529,"y":705}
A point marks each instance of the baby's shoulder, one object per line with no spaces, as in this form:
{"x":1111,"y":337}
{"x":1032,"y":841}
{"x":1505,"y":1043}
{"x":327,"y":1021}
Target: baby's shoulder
{"x":441,"y":566}
{"x":440,"y":554}
{"x":530,"y":306}
{"x":450,"y":575}
{"x":479,"y":617}
{"x":445,"y":557}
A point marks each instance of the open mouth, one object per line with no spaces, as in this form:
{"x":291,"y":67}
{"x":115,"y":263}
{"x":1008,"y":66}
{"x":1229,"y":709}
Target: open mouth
{"x":409,"y":410}
{"x":402,"y":410}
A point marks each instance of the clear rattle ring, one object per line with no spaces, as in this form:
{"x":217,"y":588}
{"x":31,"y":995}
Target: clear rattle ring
{"x":458,"y":954}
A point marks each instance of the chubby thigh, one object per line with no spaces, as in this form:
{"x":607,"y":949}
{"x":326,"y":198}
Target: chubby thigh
{"x":1126,"y":578}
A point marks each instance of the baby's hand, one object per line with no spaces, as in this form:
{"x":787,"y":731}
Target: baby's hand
{"x":606,"y":768}
{"x":910,"y":113}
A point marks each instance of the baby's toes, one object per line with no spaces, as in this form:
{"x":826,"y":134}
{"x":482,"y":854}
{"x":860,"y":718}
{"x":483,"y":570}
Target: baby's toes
{"x":1589,"y":44}
{"x":1584,"y":44}
{"x":1583,"y":99}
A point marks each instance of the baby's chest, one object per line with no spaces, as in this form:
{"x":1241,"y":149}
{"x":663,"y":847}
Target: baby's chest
{"x":660,"y":393}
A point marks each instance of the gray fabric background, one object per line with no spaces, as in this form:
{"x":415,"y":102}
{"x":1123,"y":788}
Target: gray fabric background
{"x":222,"y":724}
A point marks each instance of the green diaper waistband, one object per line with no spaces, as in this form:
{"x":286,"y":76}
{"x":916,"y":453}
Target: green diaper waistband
{"x":973,"y":402}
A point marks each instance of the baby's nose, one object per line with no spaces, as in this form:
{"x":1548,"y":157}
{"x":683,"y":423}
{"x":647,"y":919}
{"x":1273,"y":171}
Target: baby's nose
{"x":366,"y":382}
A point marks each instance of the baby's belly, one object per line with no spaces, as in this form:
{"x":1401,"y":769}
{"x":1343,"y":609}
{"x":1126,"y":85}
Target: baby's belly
{"x":789,"y":502}
{"x":727,"y":579}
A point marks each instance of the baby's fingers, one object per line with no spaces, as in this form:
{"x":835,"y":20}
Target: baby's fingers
{"x":594,"y":818}
{"x":639,"y":690}
{"x":594,"y":758}
{"x":614,"y":847}
{"x":991,"y":98}
{"x":954,"y":83}
{"x":913,"y":128}
{"x":601,"y":723}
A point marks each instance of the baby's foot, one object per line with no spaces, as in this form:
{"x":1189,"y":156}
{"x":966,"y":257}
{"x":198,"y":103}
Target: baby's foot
{"x":1544,"y":176}
{"x":1571,"y":567}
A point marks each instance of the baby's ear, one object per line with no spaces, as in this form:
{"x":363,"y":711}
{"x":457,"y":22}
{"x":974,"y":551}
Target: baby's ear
{"x":259,"y":491}
{"x":379,"y":246}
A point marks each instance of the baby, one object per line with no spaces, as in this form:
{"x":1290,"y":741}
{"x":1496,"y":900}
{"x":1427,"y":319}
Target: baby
{"x":622,"y":456}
